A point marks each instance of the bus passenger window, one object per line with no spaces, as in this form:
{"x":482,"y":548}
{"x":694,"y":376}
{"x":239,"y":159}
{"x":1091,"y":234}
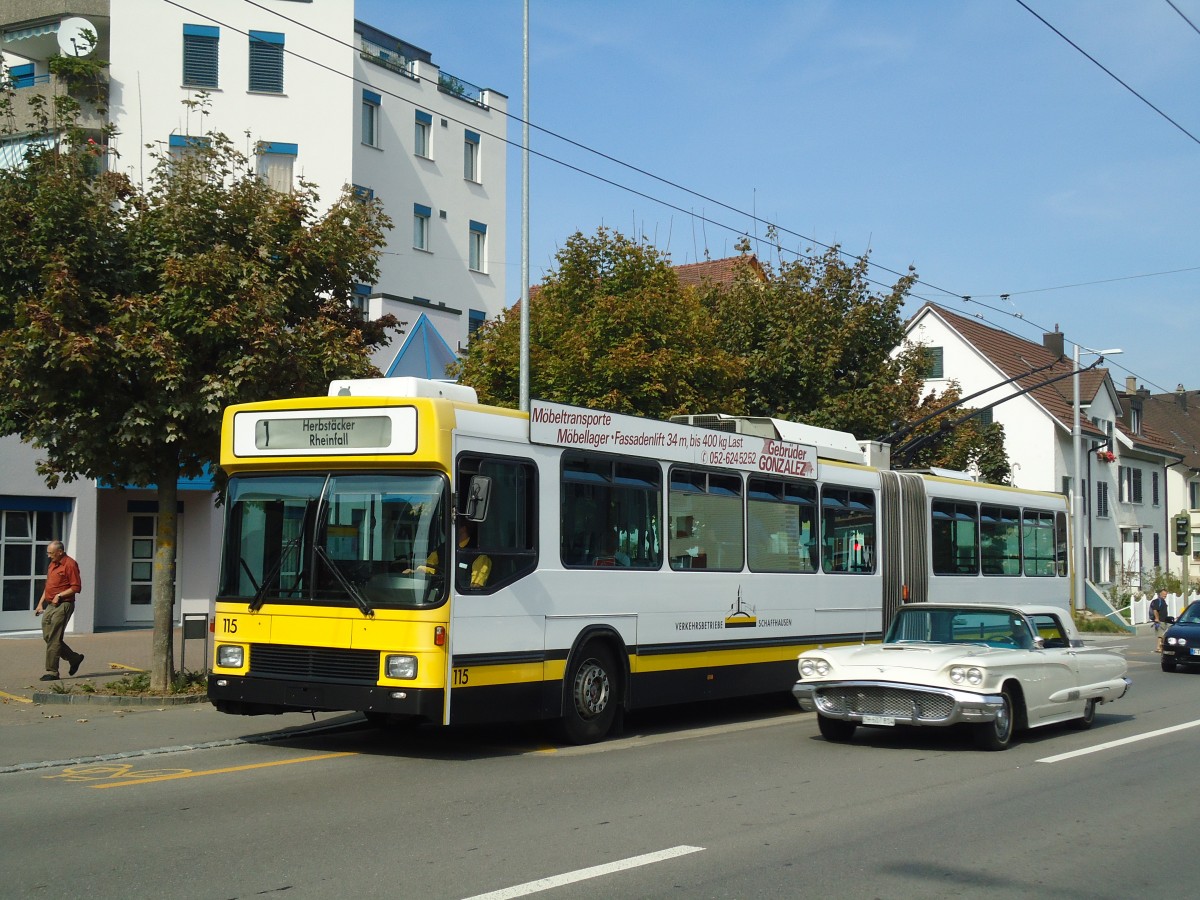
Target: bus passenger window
{"x":781,"y":525}
{"x":609,"y":512}
{"x":847,"y":530}
{"x":704,"y":515}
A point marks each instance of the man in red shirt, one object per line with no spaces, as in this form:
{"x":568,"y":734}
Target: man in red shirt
{"x":58,"y":603}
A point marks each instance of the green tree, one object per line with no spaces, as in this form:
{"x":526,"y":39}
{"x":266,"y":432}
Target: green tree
{"x":610,"y":327}
{"x":816,"y":344}
{"x":955,"y":439}
{"x":130,"y":316}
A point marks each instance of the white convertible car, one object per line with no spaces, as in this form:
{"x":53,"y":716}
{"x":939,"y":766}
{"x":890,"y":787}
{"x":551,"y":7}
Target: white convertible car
{"x":997,"y":669}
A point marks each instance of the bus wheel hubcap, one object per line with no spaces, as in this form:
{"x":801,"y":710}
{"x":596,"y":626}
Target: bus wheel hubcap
{"x":591,"y":689}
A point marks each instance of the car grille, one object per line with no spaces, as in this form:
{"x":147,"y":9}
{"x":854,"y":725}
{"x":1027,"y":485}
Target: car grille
{"x":317,"y":663}
{"x":886,"y":701}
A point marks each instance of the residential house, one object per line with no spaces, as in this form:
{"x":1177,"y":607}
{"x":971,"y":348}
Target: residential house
{"x":1175,"y":417}
{"x":1029,"y":388}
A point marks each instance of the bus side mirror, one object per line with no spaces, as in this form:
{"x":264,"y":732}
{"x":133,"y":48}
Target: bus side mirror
{"x":478,"y":494}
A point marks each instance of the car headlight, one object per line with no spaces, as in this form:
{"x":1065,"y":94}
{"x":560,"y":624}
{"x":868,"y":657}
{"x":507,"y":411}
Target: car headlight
{"x":401,"y":667}
{"x":814,"y":667}
{"x":1182,"y":642}
{"x":231,"y":656}
{"x":969,"y":674}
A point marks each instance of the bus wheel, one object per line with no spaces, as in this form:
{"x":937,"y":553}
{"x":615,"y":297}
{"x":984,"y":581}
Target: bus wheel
{"x":590,"y":705}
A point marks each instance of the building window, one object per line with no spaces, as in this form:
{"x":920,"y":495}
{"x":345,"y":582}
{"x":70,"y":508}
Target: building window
{"x":363,"y":194}
{"x":362,"y":293}
{"x":266,"y":62}
{"x":181,"y":146}
{"x":471,"y":156}
{"x":477,"y":249}
{"x":21,"y":76}
{"x":421,"y":216}
{"x":276,"y":161}
{"x":24,"y":536}
{"x":933,"y":362}
{"x":1101,"y":500}
{"x":200,"y":56}
{"x":475,"y":318}
{"x":141,"y":558}
{"x":1194,"y":495}
{"x":370,"y":118}
{"x":424,"y":122}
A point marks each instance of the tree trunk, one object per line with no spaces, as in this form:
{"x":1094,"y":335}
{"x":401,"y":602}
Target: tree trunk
{"x":162,"y":665}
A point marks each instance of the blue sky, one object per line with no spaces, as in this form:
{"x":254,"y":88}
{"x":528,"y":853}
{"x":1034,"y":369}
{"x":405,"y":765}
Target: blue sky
{"x":967,"y":139}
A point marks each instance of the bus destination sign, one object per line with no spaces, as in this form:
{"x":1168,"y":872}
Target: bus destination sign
{"x":319,"y":432}
{"x":587,"y":429}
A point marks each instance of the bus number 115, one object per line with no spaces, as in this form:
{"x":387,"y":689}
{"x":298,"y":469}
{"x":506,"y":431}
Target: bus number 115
{"x":459,"y":677}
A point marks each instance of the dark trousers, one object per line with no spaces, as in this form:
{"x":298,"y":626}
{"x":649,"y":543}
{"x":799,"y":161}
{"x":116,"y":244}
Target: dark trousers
{"x":54,"y":626}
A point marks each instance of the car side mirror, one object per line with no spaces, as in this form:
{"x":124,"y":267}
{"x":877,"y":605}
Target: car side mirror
{"x":1170,"y":620}
{"x":1039,"y":643}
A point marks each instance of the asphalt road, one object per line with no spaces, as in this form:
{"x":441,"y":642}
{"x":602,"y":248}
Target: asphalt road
{"x":738,"y":800}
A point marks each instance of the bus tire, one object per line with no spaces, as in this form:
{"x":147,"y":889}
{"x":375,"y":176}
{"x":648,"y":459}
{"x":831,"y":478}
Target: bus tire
{"x":591,"y":695}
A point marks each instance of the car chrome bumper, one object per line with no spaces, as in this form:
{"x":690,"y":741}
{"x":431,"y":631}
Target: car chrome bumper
{"x":904,"y":704}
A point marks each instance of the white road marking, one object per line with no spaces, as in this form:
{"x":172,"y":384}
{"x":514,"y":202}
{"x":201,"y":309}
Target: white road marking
{"x":545,"y":884}
{"x":1129,"y":740}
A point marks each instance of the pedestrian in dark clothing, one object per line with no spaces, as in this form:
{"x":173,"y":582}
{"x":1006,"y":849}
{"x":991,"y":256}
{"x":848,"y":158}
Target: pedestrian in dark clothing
{"x":1158,"y":616}
{"x":58,"y":604}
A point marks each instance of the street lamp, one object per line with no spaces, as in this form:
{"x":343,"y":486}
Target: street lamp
{"x":1077,"y":483}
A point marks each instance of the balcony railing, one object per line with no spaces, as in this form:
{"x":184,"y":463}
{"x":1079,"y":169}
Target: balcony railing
{"x":389,"y":59}
{"x":463,"y":90}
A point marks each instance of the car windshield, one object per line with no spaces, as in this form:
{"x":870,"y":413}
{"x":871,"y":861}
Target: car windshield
{"x":1191,"y":615}
{"x":366,"y":541}
{"x":960,"y":625}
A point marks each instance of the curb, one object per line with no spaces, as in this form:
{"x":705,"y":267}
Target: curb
{"x":119,"y":699}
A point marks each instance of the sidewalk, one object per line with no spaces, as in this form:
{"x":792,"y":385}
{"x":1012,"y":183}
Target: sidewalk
{"x":32,"y":734}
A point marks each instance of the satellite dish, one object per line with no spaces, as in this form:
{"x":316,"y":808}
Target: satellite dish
{"x":70,"y":36}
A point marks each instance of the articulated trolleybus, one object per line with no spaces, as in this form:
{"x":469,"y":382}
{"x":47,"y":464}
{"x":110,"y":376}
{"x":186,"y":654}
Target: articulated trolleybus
{"x":398,"y":549}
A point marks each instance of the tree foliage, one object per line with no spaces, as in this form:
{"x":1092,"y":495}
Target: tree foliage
{"x":817,"y":344}
{"x":611,"y":328}
{"x":808,"y":340}
{"x":131,"y":316}
{"x":955,"y":439}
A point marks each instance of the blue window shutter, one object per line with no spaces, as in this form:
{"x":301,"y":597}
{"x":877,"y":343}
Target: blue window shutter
{"x":424,"y":118}
{"x":472,"y":136}
{"x":266,"y":62}
{"x":21,"y":76}
{"x":420,"y":210}
{"x":279,"y":147}
{"x":372,"y":97}
{"x":478,"y":226}
{"x":200,"y":60}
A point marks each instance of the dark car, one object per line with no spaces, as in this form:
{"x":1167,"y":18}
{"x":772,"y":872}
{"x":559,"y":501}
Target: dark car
{"x":1181,"y":643}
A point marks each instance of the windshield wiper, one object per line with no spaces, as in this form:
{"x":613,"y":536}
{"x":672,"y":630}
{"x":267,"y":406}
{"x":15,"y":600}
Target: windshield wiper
{"x":260,"y":595}
{"x":341,"y":579}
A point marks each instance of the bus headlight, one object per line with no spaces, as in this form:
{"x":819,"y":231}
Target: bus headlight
{"x":971,"y":675}
{"x":231,"y":656}
{"x":814,"y":667}
{"x":400,"y":667}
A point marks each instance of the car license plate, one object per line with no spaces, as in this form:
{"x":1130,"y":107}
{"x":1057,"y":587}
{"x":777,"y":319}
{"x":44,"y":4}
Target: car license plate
{"x":1195,"y":651}
{"x":878,"y":720}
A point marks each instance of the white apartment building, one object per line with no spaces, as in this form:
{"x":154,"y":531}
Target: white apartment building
{"x":1127,"y":527}
{"x":306,"y":91}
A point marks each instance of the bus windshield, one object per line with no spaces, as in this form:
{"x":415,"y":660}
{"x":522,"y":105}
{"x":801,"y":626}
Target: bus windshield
{"x":371,"y":541}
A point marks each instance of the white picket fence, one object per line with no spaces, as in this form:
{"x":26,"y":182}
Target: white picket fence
{"x":1139,"y":606}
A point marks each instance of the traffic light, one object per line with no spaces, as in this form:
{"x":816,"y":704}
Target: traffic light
{"x":1183,"y":534}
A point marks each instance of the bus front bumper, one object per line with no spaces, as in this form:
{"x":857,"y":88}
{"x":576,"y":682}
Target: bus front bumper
{"x":254,"y":696}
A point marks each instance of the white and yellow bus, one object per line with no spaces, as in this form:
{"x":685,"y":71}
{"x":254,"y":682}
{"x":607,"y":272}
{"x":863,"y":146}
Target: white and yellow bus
{"x":398,"y":549}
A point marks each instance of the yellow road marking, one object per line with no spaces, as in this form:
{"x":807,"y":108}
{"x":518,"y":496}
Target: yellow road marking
{"x":113,"y":665}
{"x":278,"y":762}
{"x":16,"y":697}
